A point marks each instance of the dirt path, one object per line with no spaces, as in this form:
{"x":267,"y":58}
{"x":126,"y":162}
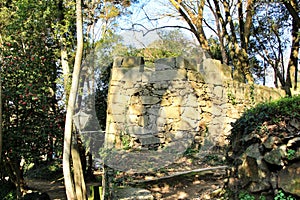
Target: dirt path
{"x":54,"y":189}
{"x":192,"y":186}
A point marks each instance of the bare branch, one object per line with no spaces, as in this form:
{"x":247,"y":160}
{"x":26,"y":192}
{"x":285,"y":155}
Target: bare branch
{"x":211,"y":28}
{"x":146,"y":30}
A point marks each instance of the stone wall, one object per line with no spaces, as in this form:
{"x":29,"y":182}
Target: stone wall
{"x":175,"y":104}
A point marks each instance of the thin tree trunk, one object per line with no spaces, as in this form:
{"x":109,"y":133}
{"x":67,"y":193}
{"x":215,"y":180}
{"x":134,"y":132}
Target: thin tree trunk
{"x":1,"y":137}
{"x":70,"y":190}
{"x":221,"y":30}
{"x":78,"y":173}
{"x":1,"y":142}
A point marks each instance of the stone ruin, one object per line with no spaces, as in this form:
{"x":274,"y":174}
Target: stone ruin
{"x":156,"y":112}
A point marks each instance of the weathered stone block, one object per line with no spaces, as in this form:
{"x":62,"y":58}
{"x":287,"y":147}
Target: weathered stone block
{"x":168,"y":75}
{"x":149,"y":140}
{"x":188,"y":124}
{"x":118,"y":118}
{"x":146,"y":76}
{"x":165,"y":64}
{"x":118,"y":73}
{"x":196,"y":77}
{"x":150,"y":100}
{"x":119,"y":98}
{"x":135,"y":109}
{"x":116,"y":109}
{"x":260,"y":186}
{"x":133,"y":75}
{"x":183,"y":63}
{"x":143,"y":120}
{"x":275,"y":156}
{"x":172,"y":112}
{"x":289,"y":179}
{"x":130,"y":62}
{"x":219,"y":91}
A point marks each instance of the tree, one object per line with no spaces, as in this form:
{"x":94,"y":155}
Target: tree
{"x":77,"y":191}
{"x":292,"y":71}
{"x":270,"y":41}
{"x":28,"y":71}
{"x":231,"y":24}
{"x":94,"y":10}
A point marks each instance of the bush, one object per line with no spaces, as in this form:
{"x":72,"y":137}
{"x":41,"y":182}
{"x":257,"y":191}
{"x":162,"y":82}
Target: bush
{"x":270,"y":112}
{"x":7,"y":190}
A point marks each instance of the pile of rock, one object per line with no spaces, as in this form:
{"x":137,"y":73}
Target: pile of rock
{"x":268,"y":159}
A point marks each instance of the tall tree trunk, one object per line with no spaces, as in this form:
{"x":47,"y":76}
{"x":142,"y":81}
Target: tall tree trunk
{"x":1,"y":115}
{"x":69,"y":185}
{"x":292,"y":71}
{"x":79,"y":182}
{"x":194,"y":21}
{"x":221,"y":29}
{"x":1,"y":137}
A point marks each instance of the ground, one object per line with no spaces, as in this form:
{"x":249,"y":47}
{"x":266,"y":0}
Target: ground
{"x":167,"y":184}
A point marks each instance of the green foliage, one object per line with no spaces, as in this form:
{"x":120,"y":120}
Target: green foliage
{"x":290,"y":154}
{"x":30,"y":117}
{"x":261,"y":197}
{"x":272,"y":112}
{"x":214,"y":159}
{"x":214,"y":47}
{"x":282,"y":196}
{"x":231,"y":98}
{"x":190,"y":152}
{"x":126,"y":139}
{"x":171,"y":44}
{"x":243,"y":195}
{"x":32,"y":121}
{"x":7,"y":190}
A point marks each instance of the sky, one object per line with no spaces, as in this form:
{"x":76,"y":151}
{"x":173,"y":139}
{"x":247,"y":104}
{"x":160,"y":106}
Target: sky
{"x":142,"y":12}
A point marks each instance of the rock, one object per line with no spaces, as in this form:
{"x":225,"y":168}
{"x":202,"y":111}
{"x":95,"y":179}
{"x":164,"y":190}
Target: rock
{"x":293,"y":142}
{"x":149,"y":140}
{"x":254,"y":170}
{"x":130,"y":193}
{"x":253,"y":151}
{"x":270,"y":142}
{"x":132,"y":61}
{"x":289,"y":179}
{"x":275,"y":156}
{"x":260,"y":186}
{"x":295,"y":123}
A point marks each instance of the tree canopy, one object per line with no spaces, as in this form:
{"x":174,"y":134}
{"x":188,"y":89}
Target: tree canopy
{"x":38,"y":44}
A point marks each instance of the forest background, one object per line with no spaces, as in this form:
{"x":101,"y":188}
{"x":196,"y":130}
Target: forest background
{"x":43,"y":43}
